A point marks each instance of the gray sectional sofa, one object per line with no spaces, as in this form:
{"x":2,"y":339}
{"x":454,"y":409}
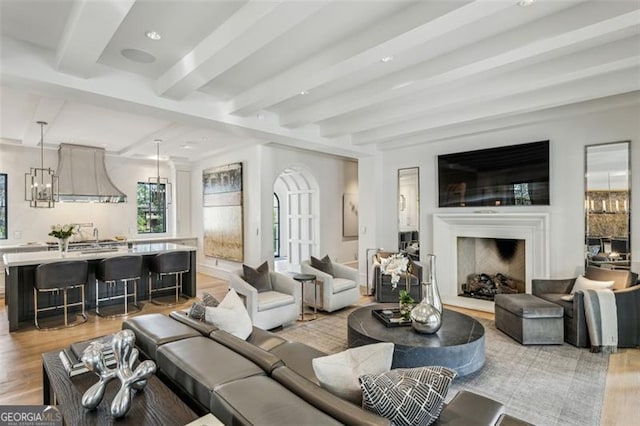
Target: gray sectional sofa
{"x":265,"y":379}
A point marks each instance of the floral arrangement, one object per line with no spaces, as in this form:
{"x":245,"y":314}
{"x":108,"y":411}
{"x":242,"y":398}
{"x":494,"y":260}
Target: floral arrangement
{"x":394,"y":265}
{"x":62,"y":231}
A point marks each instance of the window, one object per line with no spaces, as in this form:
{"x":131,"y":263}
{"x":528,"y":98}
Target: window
{"x":3,"y":206}
{"x":152,"y":208}
{"x":276,"y":225}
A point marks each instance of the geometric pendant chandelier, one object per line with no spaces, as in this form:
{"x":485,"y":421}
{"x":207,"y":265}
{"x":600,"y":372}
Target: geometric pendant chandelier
{"x":40,"y":184}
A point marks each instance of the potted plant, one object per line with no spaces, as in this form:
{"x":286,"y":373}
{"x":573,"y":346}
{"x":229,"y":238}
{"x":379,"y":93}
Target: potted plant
{"x":406,"y":304}
{"x":62,"y":233}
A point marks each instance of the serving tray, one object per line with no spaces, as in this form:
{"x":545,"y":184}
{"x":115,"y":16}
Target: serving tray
{"x":390,"y":317}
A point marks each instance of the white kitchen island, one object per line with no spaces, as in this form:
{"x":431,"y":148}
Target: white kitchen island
{"x":20,"y":275}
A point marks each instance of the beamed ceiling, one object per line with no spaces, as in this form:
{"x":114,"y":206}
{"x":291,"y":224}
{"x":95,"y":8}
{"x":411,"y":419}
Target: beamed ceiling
{"x":342,"y":77}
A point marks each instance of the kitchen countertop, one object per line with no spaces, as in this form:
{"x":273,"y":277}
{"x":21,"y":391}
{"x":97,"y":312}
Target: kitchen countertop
{"x":136,"y":240}
{"x":39,"y":257}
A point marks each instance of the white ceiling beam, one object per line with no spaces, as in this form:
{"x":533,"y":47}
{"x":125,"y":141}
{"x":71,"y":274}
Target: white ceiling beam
{"x":251,"y":28}
{"x":585,"y":64}
{"x":28,"y":69}
{"x":304,"y":77}
{"x":171,"y":131}
{"x":448,"y":69}
{"x":47,"y":110}
{"x":464,"y":130}
{"x":90,"y":27}
{"x":603,"y":85}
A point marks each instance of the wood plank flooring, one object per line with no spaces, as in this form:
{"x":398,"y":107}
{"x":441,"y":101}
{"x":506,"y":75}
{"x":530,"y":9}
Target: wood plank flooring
{"x":21,"y":366}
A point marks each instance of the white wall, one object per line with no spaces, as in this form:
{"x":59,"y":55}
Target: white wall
{"x":28,"y":224}
{"x":568,"y":137}
{"x":261,"y":166}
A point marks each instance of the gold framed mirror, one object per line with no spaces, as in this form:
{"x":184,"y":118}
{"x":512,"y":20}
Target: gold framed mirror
{"x":607,"y":205}
{"x":409,"y":211}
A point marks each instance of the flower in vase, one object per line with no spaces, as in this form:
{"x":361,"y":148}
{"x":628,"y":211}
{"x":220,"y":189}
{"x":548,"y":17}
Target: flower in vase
{"x":394,"y":265}
{"x":62,"y":231}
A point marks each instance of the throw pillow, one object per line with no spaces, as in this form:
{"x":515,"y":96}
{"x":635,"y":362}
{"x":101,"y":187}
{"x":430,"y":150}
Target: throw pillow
{"x":259,"y":277}
{"x":198,"y":310}
{"x":338,"y":373}
{"x":583,"y":283}
{"x":231,"y":316}
{"x":323,"y":264}
{"x":407,"y":396}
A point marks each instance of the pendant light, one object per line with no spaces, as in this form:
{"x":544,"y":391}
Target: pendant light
{"x":40,"y":184}
{"x":160,"y":187}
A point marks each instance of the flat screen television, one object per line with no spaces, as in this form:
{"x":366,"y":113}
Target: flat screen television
{"x":505,"y":176}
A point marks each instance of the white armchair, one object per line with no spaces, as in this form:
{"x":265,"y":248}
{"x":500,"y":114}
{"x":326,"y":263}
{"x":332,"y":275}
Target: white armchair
{"x":269,"y":309}
{"x":337,"y":291}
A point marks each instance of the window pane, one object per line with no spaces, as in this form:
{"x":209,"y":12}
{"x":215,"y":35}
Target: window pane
{"x":152,"y":208}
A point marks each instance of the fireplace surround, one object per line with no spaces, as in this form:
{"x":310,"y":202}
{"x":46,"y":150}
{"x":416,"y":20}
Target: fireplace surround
{"x":533,"y":228}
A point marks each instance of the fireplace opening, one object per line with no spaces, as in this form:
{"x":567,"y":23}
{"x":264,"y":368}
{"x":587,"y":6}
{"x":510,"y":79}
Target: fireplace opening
{"x":490,"y":266}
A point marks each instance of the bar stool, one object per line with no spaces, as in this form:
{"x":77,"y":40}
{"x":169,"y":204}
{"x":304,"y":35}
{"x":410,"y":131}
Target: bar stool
{"x":60,"y":276}
{"x":168,"y":263}
{"x":118,"y":269}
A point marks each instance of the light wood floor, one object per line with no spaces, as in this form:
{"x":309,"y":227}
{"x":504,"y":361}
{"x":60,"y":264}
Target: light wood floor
{"x":21,"y":367}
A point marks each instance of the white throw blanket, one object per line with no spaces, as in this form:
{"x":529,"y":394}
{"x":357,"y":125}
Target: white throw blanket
{"x":602,"y":320}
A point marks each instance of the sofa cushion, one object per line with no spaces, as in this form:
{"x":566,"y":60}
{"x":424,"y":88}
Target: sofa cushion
{"x":258,"y":278}
{"x":407,"y":396}
{"x":338,"y":373}
{"x":154,"y":330}
{"x":583,"y":283}
{"x":273,"y":299}
{"x":342,"y":284}
{"x":199,"y":364}
{"x":323,"y":264}
{"x":557,"y":298}
{"x":621,"y":278}
{"x":231,"y":316}
{"x":266,"y":360}
{"x":260,"y":400}
{"x":201,"y":326}
{"x":298,"y":357}
{"x":264,"y":339}
{"x":468,"y":408}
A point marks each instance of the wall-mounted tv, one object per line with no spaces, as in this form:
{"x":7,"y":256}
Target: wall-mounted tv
{"x":505,"y":176}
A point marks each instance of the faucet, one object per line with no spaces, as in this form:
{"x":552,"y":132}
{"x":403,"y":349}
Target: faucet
{"x":95,"y":235}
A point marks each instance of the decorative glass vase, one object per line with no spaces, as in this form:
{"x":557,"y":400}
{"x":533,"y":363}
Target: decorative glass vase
{"x":426,"y":317}
{"x":63,"y":245}
{"x":430,"y":289}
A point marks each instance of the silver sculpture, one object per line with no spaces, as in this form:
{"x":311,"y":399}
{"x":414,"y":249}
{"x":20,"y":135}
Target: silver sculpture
{"x":126,"y":355}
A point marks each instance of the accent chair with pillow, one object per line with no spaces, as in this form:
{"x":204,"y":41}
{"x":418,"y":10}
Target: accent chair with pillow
{"x":627,"y":295}
{"x":339,"y":284}
{"x":272,"y":299}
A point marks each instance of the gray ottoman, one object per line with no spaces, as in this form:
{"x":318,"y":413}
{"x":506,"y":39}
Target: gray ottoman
{"x":529,"y":319}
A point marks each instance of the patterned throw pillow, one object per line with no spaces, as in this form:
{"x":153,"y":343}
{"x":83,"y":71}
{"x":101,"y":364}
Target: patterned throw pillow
{"x":258,"y":278}
{"x":198,"y":308}
{"x":323,"y":264}
{"x":407,"y":396}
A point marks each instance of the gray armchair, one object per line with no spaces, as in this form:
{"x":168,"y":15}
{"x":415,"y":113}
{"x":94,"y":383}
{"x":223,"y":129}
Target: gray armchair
{"x":627,"y":293}
{"x":382,"y":282}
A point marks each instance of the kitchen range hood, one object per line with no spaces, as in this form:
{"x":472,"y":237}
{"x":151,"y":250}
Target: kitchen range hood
{"x":82,"y":176}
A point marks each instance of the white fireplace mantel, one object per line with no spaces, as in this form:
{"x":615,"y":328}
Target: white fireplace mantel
{"x":533,"y":228}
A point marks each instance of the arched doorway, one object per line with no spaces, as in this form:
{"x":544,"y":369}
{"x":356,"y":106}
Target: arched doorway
{"x":298,"y":226}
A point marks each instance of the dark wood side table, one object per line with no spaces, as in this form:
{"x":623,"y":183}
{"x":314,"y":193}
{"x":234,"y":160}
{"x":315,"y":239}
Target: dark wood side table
{"x":304,"y":278}
{"x":155,"y":405}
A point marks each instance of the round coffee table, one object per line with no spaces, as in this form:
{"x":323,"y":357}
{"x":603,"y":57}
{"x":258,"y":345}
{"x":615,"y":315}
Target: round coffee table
{"x":459,"y":344}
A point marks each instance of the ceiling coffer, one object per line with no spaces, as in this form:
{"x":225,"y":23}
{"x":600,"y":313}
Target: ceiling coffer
{"x":82,"y":176}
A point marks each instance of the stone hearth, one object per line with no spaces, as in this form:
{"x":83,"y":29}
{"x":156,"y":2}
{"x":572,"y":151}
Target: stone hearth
{"x":533,"y":228}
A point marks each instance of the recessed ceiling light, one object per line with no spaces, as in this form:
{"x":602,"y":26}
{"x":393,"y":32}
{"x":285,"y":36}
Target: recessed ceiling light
{"x":525,"y":3}
{"x":153,"y":35}
{"x":387,"y":59}
{"x":137,"y":55}
{"x":304,"y":92}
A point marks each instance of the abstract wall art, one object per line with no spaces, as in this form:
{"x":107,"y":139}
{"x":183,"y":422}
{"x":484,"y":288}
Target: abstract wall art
{"x":350,"y":215}
{"x":222,"y":212}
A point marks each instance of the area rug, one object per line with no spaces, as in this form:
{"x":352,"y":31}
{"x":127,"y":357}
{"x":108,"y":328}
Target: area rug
{"x":543,"y":385}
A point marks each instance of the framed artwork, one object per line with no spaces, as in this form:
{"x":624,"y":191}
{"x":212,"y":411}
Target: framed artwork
{"x":223,"y":213}
{"x":350,"y":215}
